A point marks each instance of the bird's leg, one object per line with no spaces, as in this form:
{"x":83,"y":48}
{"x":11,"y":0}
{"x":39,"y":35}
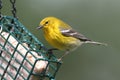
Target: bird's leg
{"x":50,"y":52}
{"x":66,"y":53}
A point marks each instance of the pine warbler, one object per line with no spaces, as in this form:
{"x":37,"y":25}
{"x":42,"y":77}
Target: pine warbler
{"x":61,"y":36}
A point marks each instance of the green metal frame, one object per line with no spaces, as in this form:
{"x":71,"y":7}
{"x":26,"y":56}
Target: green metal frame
{"x":15,"y":29}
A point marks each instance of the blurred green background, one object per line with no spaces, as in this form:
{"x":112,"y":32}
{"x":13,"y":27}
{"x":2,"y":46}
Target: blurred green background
{"x":97,"y":19}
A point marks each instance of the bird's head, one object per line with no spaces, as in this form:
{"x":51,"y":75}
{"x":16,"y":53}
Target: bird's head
{"x":48,"y":22}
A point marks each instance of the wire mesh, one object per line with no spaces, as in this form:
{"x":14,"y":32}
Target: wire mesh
{"x":22,"y":56}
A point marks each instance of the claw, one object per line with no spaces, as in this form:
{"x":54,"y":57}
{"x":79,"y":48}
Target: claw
{"x":60,"y":60}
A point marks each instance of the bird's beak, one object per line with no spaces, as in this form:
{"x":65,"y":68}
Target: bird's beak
{"x":39,"y":27}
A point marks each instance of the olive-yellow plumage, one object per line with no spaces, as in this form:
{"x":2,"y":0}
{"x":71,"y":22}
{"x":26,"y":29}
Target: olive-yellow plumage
{"x":61,"y":36}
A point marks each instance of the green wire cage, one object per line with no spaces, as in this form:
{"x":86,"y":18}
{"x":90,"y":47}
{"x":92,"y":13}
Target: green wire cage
{"x":17,"y":45}
{"x":22,"y":55}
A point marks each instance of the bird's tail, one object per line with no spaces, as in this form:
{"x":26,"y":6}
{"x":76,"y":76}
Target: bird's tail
{"x":93,"y":42}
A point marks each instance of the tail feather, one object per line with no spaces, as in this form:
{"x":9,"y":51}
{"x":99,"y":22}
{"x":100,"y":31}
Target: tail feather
{"x":93,"y":42}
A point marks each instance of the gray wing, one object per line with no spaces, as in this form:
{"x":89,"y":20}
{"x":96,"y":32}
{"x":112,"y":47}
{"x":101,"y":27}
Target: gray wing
{"x":73,"y":33}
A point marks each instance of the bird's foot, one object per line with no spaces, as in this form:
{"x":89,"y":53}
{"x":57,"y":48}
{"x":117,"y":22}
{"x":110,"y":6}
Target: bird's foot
{"x":60,"y":60}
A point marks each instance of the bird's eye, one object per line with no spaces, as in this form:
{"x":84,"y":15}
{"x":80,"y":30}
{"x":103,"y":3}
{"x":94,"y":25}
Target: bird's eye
{"x":46,"y":22}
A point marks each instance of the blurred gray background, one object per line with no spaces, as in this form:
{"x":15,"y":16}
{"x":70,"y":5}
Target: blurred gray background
{"x":97,"y":19}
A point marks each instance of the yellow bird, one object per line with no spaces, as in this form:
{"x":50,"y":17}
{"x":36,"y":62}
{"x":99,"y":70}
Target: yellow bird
{"x":61,"y":36}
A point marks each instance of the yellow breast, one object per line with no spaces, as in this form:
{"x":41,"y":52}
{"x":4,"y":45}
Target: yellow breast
{"x":59,"y":41}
